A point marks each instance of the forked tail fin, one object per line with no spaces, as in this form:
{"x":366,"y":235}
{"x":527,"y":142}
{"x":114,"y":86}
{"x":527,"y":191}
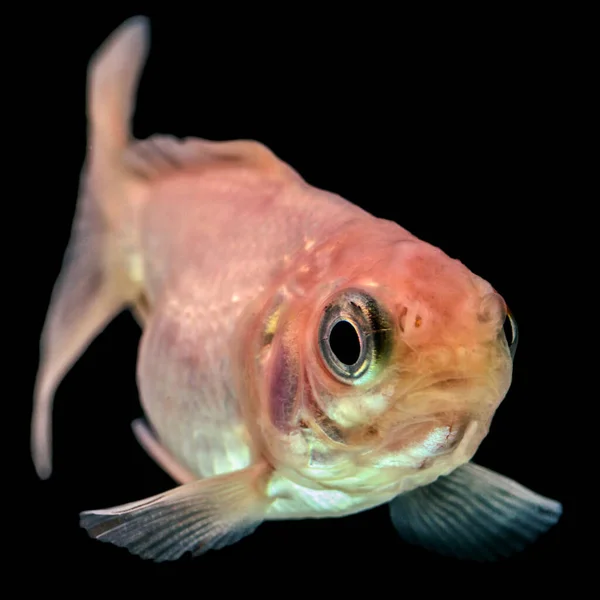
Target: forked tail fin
{"x":93,"y":286}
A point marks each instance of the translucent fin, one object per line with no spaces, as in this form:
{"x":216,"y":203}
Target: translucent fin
{"x":198,"y":516}
{"x":93,"y":285}
{"x":161,"y":155}
{"x":113,"y":77}
{"x":84,"y":300}
{"x":163,"y":458}
{"x":473,"y":513}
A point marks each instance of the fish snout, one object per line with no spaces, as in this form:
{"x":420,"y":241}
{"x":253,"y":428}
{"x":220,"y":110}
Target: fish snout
{"x":495,"y":313}
{"x":492,"y":310}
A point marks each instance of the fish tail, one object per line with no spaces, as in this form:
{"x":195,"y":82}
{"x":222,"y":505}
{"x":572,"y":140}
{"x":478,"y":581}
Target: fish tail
{"x":96,"y":282}
{"x":113,"y":77}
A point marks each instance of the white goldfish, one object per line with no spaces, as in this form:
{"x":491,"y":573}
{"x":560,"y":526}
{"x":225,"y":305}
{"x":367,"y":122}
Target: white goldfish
{"x":300,"y":358}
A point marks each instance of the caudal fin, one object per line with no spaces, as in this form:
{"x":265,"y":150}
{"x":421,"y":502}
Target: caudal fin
{"x":93,"y":285}
{"x":113,"y":77}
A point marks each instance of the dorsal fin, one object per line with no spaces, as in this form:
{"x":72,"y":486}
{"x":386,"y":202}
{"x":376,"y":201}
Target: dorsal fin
{"x":162,"y":155}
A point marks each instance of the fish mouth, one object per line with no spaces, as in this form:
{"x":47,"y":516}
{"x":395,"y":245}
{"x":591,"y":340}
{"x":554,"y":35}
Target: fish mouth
{"x":446,"y":401}
{"x":461,"y":391}
{"x":444,"y":382}
{"x":418,"y":443}
{"x":451,"y":383}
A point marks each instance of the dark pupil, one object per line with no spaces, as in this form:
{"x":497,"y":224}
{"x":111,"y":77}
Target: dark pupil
{"x":344,"y":342}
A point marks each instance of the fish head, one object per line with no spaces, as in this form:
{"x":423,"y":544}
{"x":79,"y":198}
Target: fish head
{"x":380,"y":362}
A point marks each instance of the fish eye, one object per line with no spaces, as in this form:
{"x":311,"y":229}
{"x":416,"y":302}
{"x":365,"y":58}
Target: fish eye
{"x":353,"y":336}
{"x":511,"y":331}
{"x":345,"y":342}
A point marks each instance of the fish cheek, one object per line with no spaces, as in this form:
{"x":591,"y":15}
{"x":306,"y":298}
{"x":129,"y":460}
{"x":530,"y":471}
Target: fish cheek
{"x":284,"y":388}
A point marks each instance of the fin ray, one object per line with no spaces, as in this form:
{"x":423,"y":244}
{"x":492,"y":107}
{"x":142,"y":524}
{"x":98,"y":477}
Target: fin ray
{"x":473,"y":513}
{"x":198,"y":516}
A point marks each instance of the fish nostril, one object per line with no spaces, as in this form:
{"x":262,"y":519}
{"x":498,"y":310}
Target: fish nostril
{"x":492,"y":310}
{"x":407,"y":322}
{"x":402,"y":318}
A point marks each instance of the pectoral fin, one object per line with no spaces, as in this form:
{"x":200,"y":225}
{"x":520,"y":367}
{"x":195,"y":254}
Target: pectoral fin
{"x":198,"y":516}
{"x":473,"y":513}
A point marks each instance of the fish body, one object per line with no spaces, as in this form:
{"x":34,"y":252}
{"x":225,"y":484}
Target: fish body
{"x":300,"y":357}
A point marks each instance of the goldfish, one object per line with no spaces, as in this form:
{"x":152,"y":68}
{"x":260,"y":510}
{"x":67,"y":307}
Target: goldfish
{"x":299,"y":358}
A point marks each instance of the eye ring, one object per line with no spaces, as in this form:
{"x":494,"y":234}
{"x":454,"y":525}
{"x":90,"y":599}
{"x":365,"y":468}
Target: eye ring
{"x":514,"y":330}
{"x":370,"y":325}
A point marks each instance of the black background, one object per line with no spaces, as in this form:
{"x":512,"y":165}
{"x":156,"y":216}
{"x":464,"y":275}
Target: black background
{"x":451,"y":128}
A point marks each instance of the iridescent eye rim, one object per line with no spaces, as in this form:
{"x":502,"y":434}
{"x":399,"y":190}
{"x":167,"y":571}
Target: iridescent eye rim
{"x":515,"y":333}
{"x":372,"y":327}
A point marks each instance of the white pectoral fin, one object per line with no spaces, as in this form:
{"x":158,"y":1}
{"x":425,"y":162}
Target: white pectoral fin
{"x":195,"y":517}
{"x":473,"y":513}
